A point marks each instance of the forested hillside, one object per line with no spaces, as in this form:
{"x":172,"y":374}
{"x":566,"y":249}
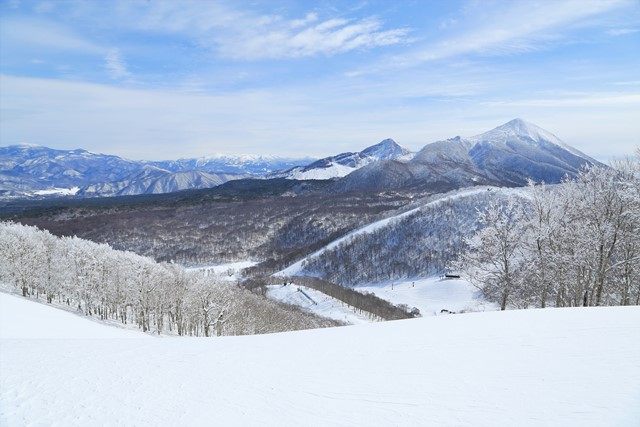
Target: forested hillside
{"x":202,"y":230}
{"x":419,"y":244}
{"x":96,"y":280}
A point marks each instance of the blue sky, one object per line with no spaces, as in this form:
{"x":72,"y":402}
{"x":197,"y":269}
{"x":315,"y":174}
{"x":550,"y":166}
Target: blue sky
{"x":168,"y":79}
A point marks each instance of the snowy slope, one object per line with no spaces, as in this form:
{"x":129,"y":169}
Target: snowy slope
{"x":24,"y":318}
{"x":297,"y":267}
{"x":343,"y":164}
{"x":509,"y":154}
{"x":431,"y":295}
{"x":316,"y":302}
{"x":537,"y":367}
{"x":230,"y":271}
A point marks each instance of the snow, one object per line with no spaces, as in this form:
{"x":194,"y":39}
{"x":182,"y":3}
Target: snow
{"x":320,"y":303}
{"x":223,"y":270}
{"x":55,"y":190}
{"x":335,"y":170}
{"x":297,"y":267}
{"x":575,"y":366}
{"x":518,"y":129}
{"x":431,"y":295}
{"x":24,"y":318}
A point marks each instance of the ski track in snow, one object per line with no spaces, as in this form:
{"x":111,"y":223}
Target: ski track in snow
{"x":560,"y":367}
{"x":297,"y":267}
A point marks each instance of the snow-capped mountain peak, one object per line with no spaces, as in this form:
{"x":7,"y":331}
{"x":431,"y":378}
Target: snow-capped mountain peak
{"x":386,"y":149}
{"x":517,"y":128}
{"x":343,"y":164}
{"x":519,"y":131}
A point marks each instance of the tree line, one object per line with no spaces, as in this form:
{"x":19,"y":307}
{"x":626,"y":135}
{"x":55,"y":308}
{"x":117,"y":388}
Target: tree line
{"x":363,"y":302}
{"x":102,"y":282}
{"x":573,"y":244}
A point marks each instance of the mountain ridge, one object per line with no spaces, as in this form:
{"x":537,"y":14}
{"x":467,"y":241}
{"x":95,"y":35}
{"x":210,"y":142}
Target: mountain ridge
{"x":507,"y":155}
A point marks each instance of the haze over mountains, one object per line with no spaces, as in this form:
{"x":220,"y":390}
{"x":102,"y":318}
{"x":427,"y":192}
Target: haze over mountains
{"x":507,"y":155}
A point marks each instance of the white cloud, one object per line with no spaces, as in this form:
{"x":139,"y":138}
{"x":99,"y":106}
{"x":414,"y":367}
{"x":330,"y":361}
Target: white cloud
{"x":508,"y":28}
{"x":316,"y":119}
{"x":245,"y":35}
{"x":115,"y":65}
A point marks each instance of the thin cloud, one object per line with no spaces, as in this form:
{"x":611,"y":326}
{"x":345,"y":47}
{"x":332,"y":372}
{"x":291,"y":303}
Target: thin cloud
{"x":44,"y":34}
{"x":520,"y":27}
{"x":244,"y":35}
{"x":575,"y":101}
{"x":115,"y":65}
{"x":622,"y":31}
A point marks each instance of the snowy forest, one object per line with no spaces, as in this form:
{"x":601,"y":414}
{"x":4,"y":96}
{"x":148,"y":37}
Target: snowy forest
{"x":123,"y":287}
{"x":417,"y":245}
{"x":573,"y":244}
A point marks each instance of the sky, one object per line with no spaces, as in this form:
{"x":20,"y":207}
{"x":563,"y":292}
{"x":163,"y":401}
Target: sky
{"x":172,"y":79}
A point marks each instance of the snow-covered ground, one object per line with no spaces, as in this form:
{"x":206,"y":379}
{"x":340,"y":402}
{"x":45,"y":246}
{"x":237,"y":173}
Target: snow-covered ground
{"x":431,"y":295}
{"x":59,"y":191}
{"x":297,"y":267}
{"x":24,"y":318}
{"x":228,"y":271}
{"x":533,"y":367}
{"x":316,"y":302}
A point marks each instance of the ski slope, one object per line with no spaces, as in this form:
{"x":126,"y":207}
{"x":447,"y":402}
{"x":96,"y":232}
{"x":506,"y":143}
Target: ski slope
{"x":230,"y":271}
{"x":431,"y":295}
{"x":24,"y":318}
{"x":534,"y":367}
{"x":297,"y":267}
{"x":317,"y":303}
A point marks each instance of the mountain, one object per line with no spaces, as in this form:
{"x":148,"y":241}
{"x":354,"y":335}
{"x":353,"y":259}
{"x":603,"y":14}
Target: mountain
{"x":154,"y":180}
{"x":345,"y":163}
{"x":35,"y":171}
{"x":241,"y":164}
{"x":507,"y":155}
{"x":28,"y":168}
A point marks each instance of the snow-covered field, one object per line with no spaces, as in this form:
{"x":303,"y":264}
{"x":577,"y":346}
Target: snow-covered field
{"x":534,"y":367}
{"x":316,"y":302}
{"x":431,"y":295}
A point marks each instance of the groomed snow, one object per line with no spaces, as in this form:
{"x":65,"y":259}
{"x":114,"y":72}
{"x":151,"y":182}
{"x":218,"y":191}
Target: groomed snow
{"x":535,"y":367}
{"x":316,"y":302}
{"x":431,"y":295}
{"x":24,"y":318}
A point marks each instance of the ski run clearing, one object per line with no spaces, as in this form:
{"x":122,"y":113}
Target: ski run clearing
{"x":316,"y":302}
{"x":231,"y":271}
{"x":297,"y":267}
{"x":531,"y":367}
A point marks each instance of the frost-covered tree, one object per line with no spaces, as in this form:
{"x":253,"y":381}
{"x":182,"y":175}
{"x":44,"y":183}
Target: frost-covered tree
{"x":573,"y":244}
{"x":99,"y":281}
{"x":494,"y":262}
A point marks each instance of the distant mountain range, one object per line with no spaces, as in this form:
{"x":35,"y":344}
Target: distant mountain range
{"x":508,"y":155}
{"x":35,"y":171}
